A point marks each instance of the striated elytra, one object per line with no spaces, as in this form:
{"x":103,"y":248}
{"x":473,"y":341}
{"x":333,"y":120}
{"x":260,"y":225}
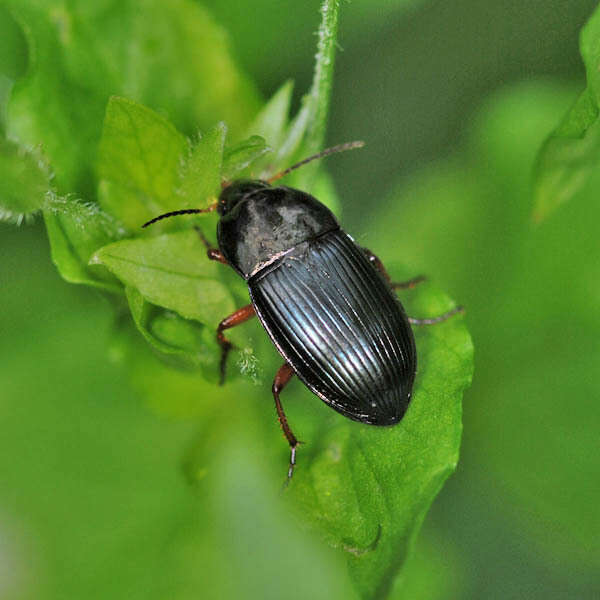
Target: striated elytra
{"x":327,"y":304}
{"x":331,"y":315}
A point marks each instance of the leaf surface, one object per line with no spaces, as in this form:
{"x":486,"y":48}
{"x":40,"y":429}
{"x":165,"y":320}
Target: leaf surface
{"x":571,"y":154}
{"x":24,"y":182}
{"x":172,"y":271}
{"x":367,"y":489}
{"x":75,"y":231}
{"x":140,"y":156}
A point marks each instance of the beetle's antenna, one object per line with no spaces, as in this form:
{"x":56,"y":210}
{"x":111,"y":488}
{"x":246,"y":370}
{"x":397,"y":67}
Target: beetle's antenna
{"x":185,"y":211}
{"x":326,"y":152}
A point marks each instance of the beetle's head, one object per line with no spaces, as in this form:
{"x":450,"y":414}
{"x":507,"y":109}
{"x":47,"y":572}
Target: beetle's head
{"x":237,"y":191}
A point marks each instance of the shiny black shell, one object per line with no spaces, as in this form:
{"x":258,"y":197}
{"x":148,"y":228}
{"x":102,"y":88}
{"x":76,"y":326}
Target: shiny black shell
{"x":260,"y":223}
{"x":329,"y":312}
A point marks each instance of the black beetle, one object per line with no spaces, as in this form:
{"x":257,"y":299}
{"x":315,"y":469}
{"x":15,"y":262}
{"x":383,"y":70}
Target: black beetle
{"x":327,"y":304}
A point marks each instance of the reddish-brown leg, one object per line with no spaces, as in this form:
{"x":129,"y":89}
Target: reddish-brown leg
{"x":212,"y":253}
{"x":238,"y":317}
{"x":282,"y":378}
{"x":396,"y":285}
{"x":374,"y":260}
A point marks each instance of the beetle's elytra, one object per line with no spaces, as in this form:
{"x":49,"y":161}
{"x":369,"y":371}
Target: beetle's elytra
{"x":326,"y":303}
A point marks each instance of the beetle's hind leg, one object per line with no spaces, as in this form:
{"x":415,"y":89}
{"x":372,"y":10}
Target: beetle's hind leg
{"x":439,"y":319}
{"x":376,"y":262}
{"x":282,"y":378}
{"x":396,"y":285}
{"x":408,"y":285}
{"x":237,"y":318}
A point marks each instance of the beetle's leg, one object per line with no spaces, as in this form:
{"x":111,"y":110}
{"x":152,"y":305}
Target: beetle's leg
{"x":212,"y":253}
{"x":282,"y":378}
{"x":434,"y":320}
{"x":239,"y":316}
{"x":396,"y":285}
{"x":411,"y":283}
{"x":376,"y":262}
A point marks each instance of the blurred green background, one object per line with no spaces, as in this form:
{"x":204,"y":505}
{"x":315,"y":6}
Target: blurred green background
{"x":453,"y":100}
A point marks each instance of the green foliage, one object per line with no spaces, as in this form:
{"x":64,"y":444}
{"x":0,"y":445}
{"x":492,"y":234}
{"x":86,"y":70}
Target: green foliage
{"x":75,"y":230}
{"x":111,"y":113}
{"x":536,"y":394}
{"x":368,"y":489}
{"x":242,"y":155}
{"x":202,"y":169}
{"x":172,"y":271}
{"x":139,"y":154}
{"x":161,"y":54}
{"x":24,"y":181}
{"x":571,"y":154}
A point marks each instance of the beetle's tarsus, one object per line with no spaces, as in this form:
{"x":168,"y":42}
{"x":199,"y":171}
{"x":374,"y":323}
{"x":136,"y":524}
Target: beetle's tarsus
{"x":282,"y":378}
{"x":211,"y":252}
{"x":434,"y":320}
{"x":407,"y":285}
{"x":292,"y":461}
{"x":225,"y":349}
{"x":214,"y":254}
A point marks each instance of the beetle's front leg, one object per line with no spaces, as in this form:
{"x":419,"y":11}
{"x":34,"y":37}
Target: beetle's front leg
{"x":396,"y":285}
{"x":238,"y":317}
{"x":212,"y":253}
{"x":282,"y":378}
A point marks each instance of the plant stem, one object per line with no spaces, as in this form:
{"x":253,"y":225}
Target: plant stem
{"x":320,"y":91}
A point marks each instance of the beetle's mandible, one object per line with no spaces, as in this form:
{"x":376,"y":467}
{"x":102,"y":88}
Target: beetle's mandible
{"x":327,"y":304}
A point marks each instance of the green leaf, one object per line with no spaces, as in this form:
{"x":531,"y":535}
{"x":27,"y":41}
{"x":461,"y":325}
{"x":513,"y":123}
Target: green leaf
{"x":148,"y":168}
{"x":76,"y":230}
{"x":140,"y":149}
{"x":140,"y":157}
{"x":568,"y":158}
{"x":519,"y":432}
{"x":237,"y":158}
{"x":170,"y":56}
{"x":253,"y":535}
{"x":142,"y":313}
{"x":433,"y":571}
{"x":272,"y":120}
{"x":180,"y":342}
{"x":47,"y":110}
{"x":271,"y":123}
{"x":171,"y":271}
{"x":13,"y":51}
{"x":200,"y":182}
{"x":572,"y":152}
{"x":589,"y":46}
{"x":24,"y":182}
{"x":367,"y":489}
{"x":155,"y":534}
{"x":13,"y":59}
{"x":182,"y":63}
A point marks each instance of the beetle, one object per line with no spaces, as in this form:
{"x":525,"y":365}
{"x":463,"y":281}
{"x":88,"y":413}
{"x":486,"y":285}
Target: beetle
{"x":327,"y":304}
